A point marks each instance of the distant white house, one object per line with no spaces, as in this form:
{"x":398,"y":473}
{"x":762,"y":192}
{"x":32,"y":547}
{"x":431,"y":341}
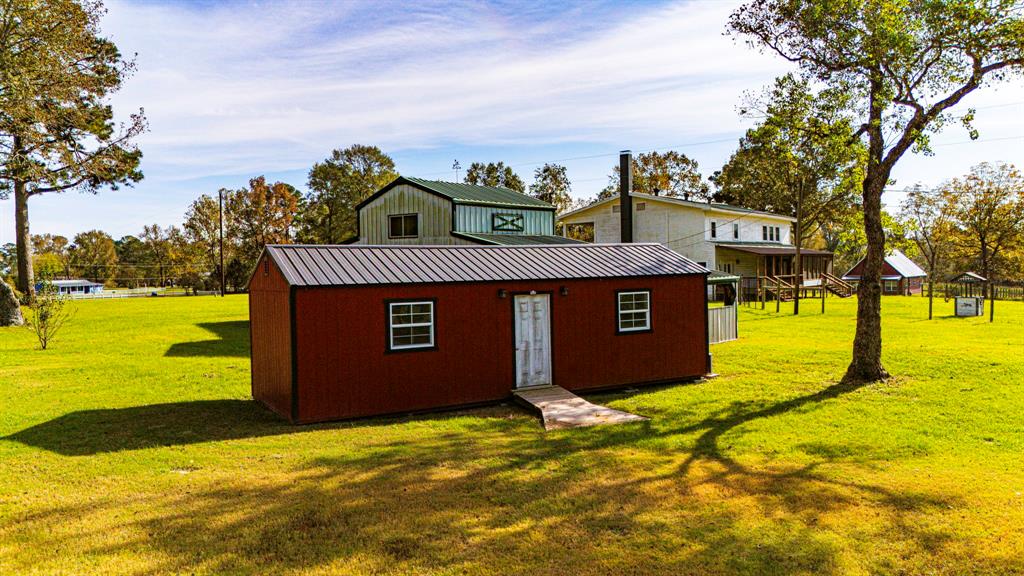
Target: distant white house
{"x":730,"y":239}
{"x":75,"y":287}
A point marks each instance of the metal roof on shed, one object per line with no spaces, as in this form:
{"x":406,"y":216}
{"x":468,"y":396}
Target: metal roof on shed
{"x":357,"y":265}
{"x":460,"y":193}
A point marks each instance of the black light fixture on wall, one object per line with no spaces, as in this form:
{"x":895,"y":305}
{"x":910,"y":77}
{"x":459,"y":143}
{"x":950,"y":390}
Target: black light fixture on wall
{"x":502,"y":293}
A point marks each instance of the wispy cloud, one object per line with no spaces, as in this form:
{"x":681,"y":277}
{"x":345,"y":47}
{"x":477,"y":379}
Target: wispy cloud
{"x":237,"y":89}
{"x":274,"y":88}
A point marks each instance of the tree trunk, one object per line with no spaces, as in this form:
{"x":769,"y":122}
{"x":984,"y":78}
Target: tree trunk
{"x":866,"y":365}
{"x":23,"y":239}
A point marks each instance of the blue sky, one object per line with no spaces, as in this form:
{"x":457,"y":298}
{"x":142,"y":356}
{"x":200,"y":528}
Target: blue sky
{"x":236,"y":90}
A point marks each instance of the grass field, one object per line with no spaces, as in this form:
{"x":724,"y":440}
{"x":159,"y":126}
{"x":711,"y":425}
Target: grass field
{"x":132,"y":447}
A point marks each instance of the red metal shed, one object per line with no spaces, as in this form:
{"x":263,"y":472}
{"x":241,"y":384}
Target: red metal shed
{"x":347,"y":331}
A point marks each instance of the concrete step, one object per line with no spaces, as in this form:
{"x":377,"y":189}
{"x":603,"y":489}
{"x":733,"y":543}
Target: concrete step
{"x":560,"y":408}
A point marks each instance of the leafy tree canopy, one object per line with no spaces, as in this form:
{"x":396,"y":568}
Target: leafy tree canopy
{"x":494,"y":174}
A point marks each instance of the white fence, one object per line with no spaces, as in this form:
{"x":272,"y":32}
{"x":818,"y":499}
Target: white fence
{"x":722,"y":324}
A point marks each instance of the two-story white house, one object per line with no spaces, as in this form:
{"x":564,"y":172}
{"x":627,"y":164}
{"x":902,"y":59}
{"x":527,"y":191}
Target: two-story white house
{"x":730,"y":239}
{"x":417,"y":211}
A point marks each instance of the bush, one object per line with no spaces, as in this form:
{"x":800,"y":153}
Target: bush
{"x":48,"y":313}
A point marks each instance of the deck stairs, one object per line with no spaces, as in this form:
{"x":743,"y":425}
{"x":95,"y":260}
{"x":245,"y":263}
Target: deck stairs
{"x":837,"y":286}
{"x":560,"y":408}
{"x":779,"y":288}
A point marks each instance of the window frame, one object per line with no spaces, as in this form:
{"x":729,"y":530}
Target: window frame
{"x":714,"y":229}
{"x":764,"y":233}
{"x":391,"y":218}
{"x":390,"y":326}
{"x":618,"y":311}
{"x":735,"y":231}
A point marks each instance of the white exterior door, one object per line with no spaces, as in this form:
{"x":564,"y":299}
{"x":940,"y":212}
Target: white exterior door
{"x":533,"y":340}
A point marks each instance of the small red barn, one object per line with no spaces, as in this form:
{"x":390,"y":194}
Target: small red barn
{"x":900,"y":275}
{"x":347,"y":331}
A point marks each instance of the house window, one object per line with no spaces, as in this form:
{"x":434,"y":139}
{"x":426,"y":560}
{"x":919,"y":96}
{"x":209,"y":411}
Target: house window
{"x":778,"y":234}
{"x":736,"y":231}
{"x":410,"y":325}
{"x":727,"y":268}
{"x":404,"y":226}
{"x":764,"y":233}
{"x":634,"y":311}
{"x":702,"y":264}
{"x":714,"y":229}
{"x":616,"y":209}
{"x":640,"y":206}
{"x":891,"y":286}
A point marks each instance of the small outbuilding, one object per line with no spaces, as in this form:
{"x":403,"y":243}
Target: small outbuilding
{"x":900,"y":275}
{"x":348,"y":331}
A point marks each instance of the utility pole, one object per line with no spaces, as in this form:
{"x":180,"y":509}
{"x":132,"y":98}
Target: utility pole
{"x":220,"y":218}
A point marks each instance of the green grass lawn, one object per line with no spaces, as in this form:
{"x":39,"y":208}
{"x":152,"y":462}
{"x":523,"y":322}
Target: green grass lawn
{"x":132,"y":447}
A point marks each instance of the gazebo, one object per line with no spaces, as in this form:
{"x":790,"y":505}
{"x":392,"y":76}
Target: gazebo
{"x":969,"y":294}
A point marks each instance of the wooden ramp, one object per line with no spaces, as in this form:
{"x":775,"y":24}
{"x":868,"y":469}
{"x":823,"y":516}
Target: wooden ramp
{"x":560,"y":408}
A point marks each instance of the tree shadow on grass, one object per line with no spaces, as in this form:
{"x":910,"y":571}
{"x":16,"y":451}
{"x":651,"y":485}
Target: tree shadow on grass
{"x":232,"y":340}
{"x":502,"y":496}
{"x":88,"y":432}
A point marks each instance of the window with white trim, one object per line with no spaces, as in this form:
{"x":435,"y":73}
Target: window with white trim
{"x":634,"y":311}
{"x":410,"y":325}
{"x":714,"y":229}
{"x":736,"y":231}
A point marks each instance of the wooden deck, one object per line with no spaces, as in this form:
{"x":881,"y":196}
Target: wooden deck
{"x":560,"y":408}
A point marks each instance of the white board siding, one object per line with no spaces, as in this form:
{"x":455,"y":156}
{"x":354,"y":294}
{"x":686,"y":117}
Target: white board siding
{"x":679,"y":228}
{"x":477,"y":220}
{"x":435,"y":222}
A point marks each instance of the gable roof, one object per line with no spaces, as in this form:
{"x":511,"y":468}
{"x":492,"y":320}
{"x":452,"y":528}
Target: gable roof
{"x":904,"y":266}
{"x":359,"y":265}
{"x":471,"y":194}
{"x":680,"y":202}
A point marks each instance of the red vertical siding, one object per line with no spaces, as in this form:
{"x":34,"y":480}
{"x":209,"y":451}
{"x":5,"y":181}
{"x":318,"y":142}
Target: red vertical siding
{"x":270,"y":334}
{"x":345,"y":370}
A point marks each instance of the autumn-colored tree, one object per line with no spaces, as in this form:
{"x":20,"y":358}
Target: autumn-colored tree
{"x":259,"y":215}
{"x":926,"y":215}
{"x":94,"y":256}
{"x":551,"y":184}
{"x":494,"y":174}
{"x":56,"y":246}
{"x":336,"y":186}
{"x":905,"y":65}
{"x":202,"y":228}
{"x":986,"y":209}
{"x":156,"y":254}
{"x":668,"y":173}
{"x":56,"y":126}
{"x":188,"y":260}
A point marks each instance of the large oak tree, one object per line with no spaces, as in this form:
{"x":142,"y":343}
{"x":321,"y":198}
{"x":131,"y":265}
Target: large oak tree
{"x":57,"y":131}
{"x":906,"y":64}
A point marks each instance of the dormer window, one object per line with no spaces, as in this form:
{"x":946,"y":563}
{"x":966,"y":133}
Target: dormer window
{"x":736,"y":231}
{"x":404,"y":226}
{"x":714,"y":229}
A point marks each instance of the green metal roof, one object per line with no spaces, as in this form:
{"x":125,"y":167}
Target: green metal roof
{"x":473,"y":194}
{"x":516,"y":239}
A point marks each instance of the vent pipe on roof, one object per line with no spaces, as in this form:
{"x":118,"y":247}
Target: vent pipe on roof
{"x":625,"y":200}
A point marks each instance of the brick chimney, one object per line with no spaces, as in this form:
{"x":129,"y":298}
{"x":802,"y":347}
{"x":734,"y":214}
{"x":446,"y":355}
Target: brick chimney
{"x":625,"y":200}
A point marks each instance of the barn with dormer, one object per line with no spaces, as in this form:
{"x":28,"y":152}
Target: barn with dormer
{"x":431,"y":212}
